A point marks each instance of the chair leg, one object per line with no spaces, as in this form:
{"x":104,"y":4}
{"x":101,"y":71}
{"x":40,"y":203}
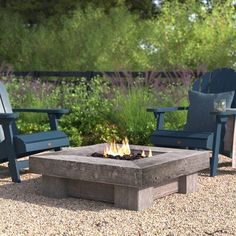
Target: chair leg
{"x":215,"y":151}
{"x":214,"y":161}
{"x":14,"y":170}
{"x":11,"y":154}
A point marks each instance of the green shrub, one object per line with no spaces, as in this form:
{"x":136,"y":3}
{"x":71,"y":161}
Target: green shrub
{"x":88,"y":105}
{"x":92,"y":39}
{"x":191,"y":35}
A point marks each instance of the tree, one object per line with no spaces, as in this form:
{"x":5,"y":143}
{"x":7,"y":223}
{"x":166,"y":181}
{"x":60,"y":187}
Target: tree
{"x":34,"y":11}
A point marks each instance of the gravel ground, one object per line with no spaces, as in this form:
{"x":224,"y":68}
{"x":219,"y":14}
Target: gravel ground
{"x":209,"y":211}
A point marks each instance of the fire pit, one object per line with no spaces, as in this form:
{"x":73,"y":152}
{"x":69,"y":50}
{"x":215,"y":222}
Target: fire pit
{"x":122,"y":152}
{"x":127,"y":183}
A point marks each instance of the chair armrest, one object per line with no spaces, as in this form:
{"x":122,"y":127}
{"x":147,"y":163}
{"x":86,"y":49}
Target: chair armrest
{"x":228,"y":112}
{"x":53,"y":114}
{"x":8,"y":117}
{"x":160,"y":112}
{"x":222,"y":116}
{"x":49,"y":111}
{"x":165,"y":109}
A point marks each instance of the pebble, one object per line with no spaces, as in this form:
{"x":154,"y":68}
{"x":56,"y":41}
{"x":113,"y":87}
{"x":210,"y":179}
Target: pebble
{"x":211,"y":210}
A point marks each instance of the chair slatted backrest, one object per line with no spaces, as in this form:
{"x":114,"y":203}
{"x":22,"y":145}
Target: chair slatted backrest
{"x":5,"y":106}
{"x":217,"y":81}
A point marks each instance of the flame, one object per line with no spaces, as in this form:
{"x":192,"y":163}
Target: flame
{"x":114,"y":149}
{"x":150,"y":153}
{"x":143,"y":154}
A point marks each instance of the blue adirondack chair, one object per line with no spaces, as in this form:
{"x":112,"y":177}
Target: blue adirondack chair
{"x":212,"y":83}
{"x":14,"y":145}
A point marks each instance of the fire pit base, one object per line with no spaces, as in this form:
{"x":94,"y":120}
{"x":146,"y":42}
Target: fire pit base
{"x":121,"y":196}
{"x":131,"y":185}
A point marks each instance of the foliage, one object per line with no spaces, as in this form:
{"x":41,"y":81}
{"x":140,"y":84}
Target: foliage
{"x":12,"y":36}
{"x":100,"y":111}
{"x":32,"y":94}
{"x":34,"y":11}
{"x":88,"y":104}
{"x":130,"y":115}
{"x":92,"y":38}
{"x":110,"y":44}
{"x":172,"y":92}
{"x":191,"y":36}
{"x":110,"y":39}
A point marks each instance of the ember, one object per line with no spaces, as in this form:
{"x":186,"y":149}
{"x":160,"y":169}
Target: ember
{"x":122,"y":152}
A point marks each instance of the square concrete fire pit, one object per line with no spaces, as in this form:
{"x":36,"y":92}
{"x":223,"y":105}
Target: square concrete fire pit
{"x":133,"y":185}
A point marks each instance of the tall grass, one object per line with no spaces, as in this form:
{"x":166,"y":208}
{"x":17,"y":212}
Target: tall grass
{"x":130,"y":115}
